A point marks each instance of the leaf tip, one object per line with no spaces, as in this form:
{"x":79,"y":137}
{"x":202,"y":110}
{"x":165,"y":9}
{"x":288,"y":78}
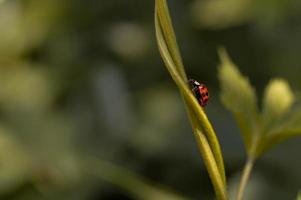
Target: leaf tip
{"x":223,"y":55}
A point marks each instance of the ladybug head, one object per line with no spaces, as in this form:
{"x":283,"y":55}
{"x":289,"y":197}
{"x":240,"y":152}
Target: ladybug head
{"x":194,"y":82}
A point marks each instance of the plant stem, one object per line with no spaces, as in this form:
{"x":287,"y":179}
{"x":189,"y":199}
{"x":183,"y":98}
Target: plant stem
{"x":244,"y":178}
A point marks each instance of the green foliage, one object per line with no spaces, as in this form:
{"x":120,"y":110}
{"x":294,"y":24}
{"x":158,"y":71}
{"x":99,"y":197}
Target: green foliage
{"x":204,"y":133}
{"x":132,"y":183}
{"x":277,"y":121}
{"x":239,"y":97}
{"x":221,"y":14}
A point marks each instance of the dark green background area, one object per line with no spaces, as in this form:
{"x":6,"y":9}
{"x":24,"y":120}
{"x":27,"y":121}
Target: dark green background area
{"x":83,"y":79}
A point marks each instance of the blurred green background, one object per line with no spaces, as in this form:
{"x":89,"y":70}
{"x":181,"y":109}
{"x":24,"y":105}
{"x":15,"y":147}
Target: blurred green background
{"x":83,"y":79}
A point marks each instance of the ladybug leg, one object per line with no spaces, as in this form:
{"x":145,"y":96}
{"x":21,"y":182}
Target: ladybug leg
{"x":196,"y":93}
{"x":195,"y":89}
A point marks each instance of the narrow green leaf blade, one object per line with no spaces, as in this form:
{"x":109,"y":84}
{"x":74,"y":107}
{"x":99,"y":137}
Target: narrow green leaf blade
{"x":189,"y":98}
{"x":169,"y":36}
{"x":211,"y":166}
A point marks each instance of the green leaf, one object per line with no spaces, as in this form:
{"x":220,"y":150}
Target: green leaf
{"x":129,"y":181}
{"x":278,"y":99}
{"x":169,"y":51}
{"x":211,"y":165}
{"x":299,"y":196}
{"x":287,"y":127}
{"x":221,"y":14}
{"x":2,"y":1}
{"x":169,"y":36}
{"x":239,"y":97}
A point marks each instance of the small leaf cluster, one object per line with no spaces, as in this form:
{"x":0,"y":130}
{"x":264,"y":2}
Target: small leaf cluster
{"x":279,"y":118}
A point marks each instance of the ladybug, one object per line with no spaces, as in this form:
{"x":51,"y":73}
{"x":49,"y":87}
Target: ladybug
{"x":200,"y":91}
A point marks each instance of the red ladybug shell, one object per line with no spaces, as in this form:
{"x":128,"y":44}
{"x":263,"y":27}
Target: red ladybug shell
{"x":200,"y":91}
{"x":203,"y":96}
